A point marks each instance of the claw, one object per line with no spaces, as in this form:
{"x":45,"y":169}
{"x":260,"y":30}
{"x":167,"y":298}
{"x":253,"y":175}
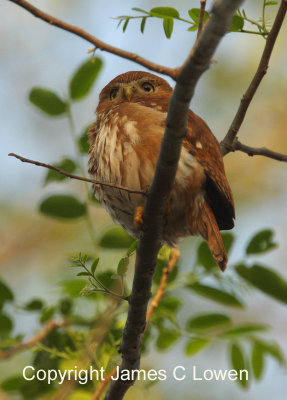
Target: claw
{"x":138,"y":218}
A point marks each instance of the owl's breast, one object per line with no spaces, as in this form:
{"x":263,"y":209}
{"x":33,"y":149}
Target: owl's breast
{"x":125,"y":144}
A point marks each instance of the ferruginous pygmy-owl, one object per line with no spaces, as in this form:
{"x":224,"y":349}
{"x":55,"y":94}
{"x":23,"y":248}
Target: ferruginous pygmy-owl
{"x":125,"y":142}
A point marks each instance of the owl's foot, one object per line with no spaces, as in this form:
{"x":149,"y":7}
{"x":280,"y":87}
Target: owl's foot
{"x":138,"y":218}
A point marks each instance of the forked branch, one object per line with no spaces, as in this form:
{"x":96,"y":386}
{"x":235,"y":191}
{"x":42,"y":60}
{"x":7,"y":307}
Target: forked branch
{"x":257,"y":151}
{"x":226,"y":144}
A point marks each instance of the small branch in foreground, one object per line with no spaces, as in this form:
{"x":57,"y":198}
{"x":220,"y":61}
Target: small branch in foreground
{"x":201,"y":17}
{"x":80,"y":178}
{"x":96,"y":42}
{"x":257,"y":151}
{"x":163,"y":282}
{"x":226,"y":143}
{"x":51,"y":325}
{"x":155,"y":301}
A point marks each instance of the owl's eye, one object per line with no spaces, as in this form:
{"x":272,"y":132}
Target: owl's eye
{"x":148,"y":87}
{"x":113,"y":93}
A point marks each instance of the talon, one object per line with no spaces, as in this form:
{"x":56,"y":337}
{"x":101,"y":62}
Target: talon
{"x":138,"y":218}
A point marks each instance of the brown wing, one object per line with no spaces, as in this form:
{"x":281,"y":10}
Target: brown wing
{"x":204,"y":146}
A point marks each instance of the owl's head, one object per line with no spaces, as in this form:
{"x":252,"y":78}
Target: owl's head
{"x":135,"y":86}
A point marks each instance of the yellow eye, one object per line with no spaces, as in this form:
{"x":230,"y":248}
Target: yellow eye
{"x":113,"y":93}
{"x":148,"y":87}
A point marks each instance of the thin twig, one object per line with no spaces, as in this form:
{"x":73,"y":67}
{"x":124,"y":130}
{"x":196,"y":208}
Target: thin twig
{"x":201,"y":17}
{"x":257,"y":151}
{"x":51,"y":325}
{"x":104,"y":384}
{"x":80,"y":178}
{"x":226,"y":143}
{"x":163,"y":282}
{"x":96,"y":42}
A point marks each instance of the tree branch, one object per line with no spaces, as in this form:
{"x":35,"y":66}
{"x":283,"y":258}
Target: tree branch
{"x":51,"y":325}
{"x":72,"y":176}
{"x":154,"y":304}
{"x":150,"y":238}
{"x":163,"y":282}
{"x":201,"y":17}
{"x":257,"y":151}
{"x":226,"y":144}
{"x":96,"y":42}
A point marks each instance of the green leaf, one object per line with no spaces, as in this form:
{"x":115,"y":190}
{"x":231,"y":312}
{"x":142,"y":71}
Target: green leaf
{"x":170,"y":303}
{"x":216,"y":295}
{"x":65,"y":306}
{"x":47,"y":314}
{"x":132,"y":247}
{"x":6,"y":325}
{"x":163,"y":12}
{"x":261,"y":242}
{"x":47,"y":101}
{"x":204,"y":256}
{"x":265,"y":280}
{"x":84,"y":273}
{"x":238,"y":363}
{"x":237,"y":24}
{"x":63,"y":206}
{"x":84,"y":78}
{"x":194,"y":345}
{"x":94,"y":265}
{"x":123,"y":266}
{"x":272,"y":349}
{"x":12,"y":383}
{"x":5,"y":294}
{"x":207,"y":322}
{"x":194,"y":14}
{"x":166,"y":338}
{"x":116,"y":238}
{"x":66,"y":165}
{"x":83,"y":141}
{"x":245,"y":330}
{"x":193,"y":28}
{"x":34,"y":305}
{"x":228,"y":240}
{"x":271,"y":3}
{"x":158,"y":272}
{"x":73,"y":287}
{"x":106,"y":278}
{"x":168,"y":27}
{"x":126,"y":24}
{"x":80,"y":394}
{"x":143,"y":24}
{"x":257,"y":360}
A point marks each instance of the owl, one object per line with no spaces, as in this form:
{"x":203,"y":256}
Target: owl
{"x":124,"y":145}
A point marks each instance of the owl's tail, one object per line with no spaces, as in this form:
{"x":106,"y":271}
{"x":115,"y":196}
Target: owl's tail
{"x":209,"y":230}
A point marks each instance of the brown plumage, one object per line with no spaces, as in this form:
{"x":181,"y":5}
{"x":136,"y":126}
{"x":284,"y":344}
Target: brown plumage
{"x":125,"y":142}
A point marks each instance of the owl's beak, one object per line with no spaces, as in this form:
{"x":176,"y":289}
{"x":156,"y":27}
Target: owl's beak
{"x":128,"y":92}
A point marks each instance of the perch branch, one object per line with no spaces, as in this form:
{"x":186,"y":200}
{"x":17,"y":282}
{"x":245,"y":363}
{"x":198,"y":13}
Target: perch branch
{"x":158,"y":296}
{"x":95,"y":41}
{"x":72,"y":176}
{"x":150,"y":237}
{"x":51,"y":325}
{"x":257,"y":151}
{"x":226,"y":144}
